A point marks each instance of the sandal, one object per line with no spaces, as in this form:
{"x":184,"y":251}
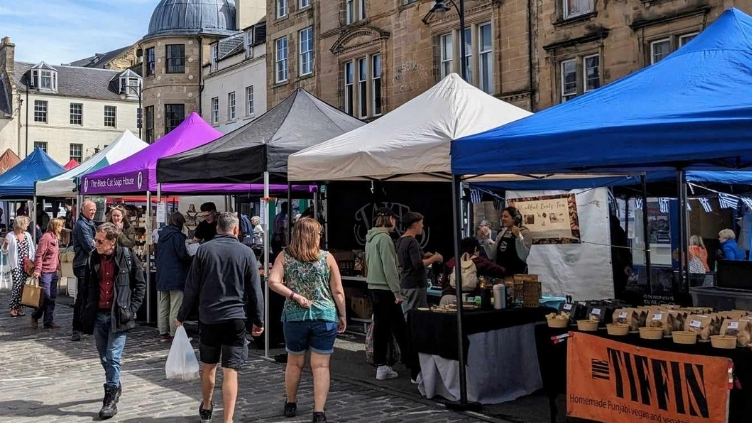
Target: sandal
{"x":20,"y":312}
{"x":13,"y":313}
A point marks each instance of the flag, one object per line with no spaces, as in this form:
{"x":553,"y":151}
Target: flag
{"x":638,"y":203}
{"x":475,"y":196}
{"x":497,"y":203}
{"x":727,"y":201}
{"x":663,"y":204}
{"x":689,"y":207}
{"x":747,"y":202}
{"x":705,"y":204}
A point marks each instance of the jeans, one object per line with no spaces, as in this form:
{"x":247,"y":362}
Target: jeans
{"x":168,"y":306}
{"x":387,"y":320}
{"x":82,"y":290}
{"x":109,"y":346}
{"x":48,"y":283}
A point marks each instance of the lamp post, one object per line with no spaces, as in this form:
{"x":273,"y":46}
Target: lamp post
{"x":440,"y":6}
{"x":139,"y":113}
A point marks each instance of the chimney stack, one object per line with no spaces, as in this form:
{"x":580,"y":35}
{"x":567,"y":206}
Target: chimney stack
{"x":7,"y":56}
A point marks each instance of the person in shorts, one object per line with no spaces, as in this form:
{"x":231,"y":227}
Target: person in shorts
{"x":224,"y":280}
{"x":313,"y":314}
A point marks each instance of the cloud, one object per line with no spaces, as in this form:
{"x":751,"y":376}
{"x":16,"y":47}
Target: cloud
{"x":61,"y":31}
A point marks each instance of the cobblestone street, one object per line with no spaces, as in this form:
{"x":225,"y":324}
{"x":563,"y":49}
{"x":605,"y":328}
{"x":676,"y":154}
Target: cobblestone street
{"x":44,"y":377}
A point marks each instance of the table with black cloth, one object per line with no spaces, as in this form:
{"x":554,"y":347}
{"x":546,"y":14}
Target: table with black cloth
{"x":555,"y":356}
{"x":499,"y":346}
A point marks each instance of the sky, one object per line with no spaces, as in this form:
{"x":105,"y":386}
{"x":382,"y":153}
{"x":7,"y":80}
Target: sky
{"x":62,"y":31}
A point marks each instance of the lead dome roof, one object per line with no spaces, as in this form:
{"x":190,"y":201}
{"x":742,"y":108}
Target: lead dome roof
{"x":193,"y":17}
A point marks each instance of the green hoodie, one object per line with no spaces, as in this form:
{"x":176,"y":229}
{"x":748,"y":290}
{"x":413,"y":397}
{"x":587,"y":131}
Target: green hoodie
{"x":381,"y":259}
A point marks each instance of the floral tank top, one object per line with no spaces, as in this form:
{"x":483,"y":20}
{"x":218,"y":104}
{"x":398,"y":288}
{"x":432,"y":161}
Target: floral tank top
{"x":310,"y":280}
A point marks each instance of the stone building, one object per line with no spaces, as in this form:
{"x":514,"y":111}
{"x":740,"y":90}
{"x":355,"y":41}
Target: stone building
{"x":119,"y":59}
{"x":70,"y":112}
{"x":176,"y":48}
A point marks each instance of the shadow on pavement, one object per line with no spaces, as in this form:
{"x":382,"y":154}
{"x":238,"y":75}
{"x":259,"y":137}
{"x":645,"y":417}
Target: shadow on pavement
{"x":28,"y":408}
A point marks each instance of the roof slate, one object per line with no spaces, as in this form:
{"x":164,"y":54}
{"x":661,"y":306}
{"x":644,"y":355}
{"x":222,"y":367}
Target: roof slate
{"x":76,"y":81}
{"x":99,"y":60}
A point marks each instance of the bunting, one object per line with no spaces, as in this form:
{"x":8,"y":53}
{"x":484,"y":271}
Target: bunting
{"x":747,"y":202}
{"x":727,"y":201}
{"x":705,"y":204}
{"x":663,"y":204}
{"x":638,"y":203}
{"x":475,"y":196}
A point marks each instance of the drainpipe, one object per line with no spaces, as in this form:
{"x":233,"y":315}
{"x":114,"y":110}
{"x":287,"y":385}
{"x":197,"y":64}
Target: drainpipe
{"x":26,"y":140}
{"x":530,"y":51}
{"x":200,"y":73}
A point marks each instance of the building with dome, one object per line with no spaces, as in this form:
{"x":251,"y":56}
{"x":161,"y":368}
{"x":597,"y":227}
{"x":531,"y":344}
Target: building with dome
{"x":177,"y":48}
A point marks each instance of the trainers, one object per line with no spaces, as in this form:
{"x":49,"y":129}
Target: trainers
{"x":205,"y":415}
{"x":165,"y":337}
{"x":51,"y":326}
{"x":75,"y":336}
{"x":291,"y":409}
{"x":34,"y":323}
{"x":385,"y":372}
{"x":319,"y":416}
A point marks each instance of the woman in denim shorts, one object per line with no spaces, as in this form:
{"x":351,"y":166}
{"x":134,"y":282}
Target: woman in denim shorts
{"x":313,"y":314}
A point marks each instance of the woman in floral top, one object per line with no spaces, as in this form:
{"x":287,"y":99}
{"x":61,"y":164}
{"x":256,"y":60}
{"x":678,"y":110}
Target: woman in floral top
{"x":313,"y":314}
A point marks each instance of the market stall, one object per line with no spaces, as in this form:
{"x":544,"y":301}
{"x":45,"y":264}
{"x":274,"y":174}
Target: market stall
{"x":257,"y":152}
{"x":18,"y":182}
{"x":136,"y":175}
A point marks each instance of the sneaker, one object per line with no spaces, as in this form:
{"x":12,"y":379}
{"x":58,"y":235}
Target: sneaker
{"x":165,"y":337}
{"x":51,"y":326}
{"x":291,"y":409}
{"x":414,"y":381}
{"x":385,"y":372}
{"x":319,"y":416}
{"x":34,"y":323}
{"x":205,"y":416}
{"x":75,"y":336}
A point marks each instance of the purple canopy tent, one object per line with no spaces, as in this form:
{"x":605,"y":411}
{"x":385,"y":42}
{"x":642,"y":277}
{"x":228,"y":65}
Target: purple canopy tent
{"x":137,"y":174}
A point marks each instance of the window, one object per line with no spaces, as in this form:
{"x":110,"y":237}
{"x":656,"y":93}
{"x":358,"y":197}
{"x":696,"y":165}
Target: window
{"x":41,"y":145}
{"x":40,"y":111}
{"x":149,"y":124}
{"x":110,"y":116}
{"x":281,"y":8}
{"x":469,"y":55}
{"x":349,"y":11}
{"x":573,"y":8}
{"x":659,"y":49}
{"x":45,"y":79}
{"x":249,"y":44}
{"x":349,"y":106}
{"x":684,"y":39}
{"x":130,"y":84}
{"x":304,"y":3}
{"x":215,"y":110}
{"x":568,"y":79}
{"x":231,"y":110}
{"x":376,"y":84}
{"x":76,"y":152}
{"x":175,"y":58}
{"x":280,"y":60}
{"x":174,"y":115}
{"x":445,"y":42}
{"x":249,"y":109}
{"x":214,"y":58}
{"x":485,"y":59}
{"x":362,"y":87}
{"x":151,"y":62}
{"x":361,"y":9}
{"x":76,"y":114}
{"x":306,"y":51}
{"x":591,"y":69}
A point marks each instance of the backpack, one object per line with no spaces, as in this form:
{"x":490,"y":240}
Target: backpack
{"x":468,"y":273}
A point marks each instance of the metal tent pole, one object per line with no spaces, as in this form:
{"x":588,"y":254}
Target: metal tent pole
{"x":682,"y":195}
{"x":265,"y":211}
{"x":149,"y":298}
{"x":646,"y":230}
{"x":289,"y":212}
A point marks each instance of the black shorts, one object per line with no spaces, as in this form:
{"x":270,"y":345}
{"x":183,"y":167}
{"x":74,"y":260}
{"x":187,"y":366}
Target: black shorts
{"x":226,"y":339}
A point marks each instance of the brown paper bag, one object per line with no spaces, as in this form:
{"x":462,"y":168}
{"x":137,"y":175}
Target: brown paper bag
{"x":662,"y":319}
{"x":627,"y":316}
{"x":740,"y":328}
{"x":705,"y":325}
{"x":680,"y":317}
{"x":31,"y":295}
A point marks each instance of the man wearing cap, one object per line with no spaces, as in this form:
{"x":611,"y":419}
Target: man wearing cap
{"x":384,"y":290}
{"x":207,"y":229}
{"x":485,"y":233}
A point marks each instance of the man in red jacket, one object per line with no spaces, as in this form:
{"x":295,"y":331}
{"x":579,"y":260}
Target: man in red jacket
{"x":484,"y":267}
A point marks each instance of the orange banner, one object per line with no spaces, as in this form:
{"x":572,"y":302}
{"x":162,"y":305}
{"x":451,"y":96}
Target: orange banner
{"x":613,"y":382}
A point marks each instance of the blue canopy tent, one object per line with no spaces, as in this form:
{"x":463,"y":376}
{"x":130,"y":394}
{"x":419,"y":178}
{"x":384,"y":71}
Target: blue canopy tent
{"x":18,"y":182}
{"x":690,"y":111}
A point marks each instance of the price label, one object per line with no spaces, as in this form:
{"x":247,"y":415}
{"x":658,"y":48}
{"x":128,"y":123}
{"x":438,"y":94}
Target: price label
{"x":695,"y":324}
{"x":658,"y":316}
{"x":733,"y":325}
{"x":596,"y":312}
{"x":567,"y":306}
{"x":623,"y":315}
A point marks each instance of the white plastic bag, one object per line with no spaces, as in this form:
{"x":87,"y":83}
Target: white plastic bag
{"x":181,"y":362}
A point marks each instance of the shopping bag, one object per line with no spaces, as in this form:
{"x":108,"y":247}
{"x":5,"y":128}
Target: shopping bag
{"x":31,"y":296}
{"x":468,"y":273}
{"x":6,"y":279}
{"x":181,"y":362}
{"x":393,"y":354}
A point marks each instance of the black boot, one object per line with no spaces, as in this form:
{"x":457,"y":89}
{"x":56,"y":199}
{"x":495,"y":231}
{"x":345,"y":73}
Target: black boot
{"x":109,"y":404}
{"x":118,"y":393}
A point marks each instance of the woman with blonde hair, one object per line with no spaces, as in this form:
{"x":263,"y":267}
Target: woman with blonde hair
{"x":698,"y":255}
{"x":19,"y":246}
{"x":729,"y":247}
{"x":47,"y":270}
{"x":313,"y":314}
{"x":119,"y":217}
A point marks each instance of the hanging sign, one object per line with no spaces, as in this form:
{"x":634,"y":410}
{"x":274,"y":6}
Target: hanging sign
{"x":551,"y":219}
{"x":162,"y":212}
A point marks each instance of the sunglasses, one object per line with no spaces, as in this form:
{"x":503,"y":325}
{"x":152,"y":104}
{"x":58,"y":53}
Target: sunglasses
{"x":100,"y":241}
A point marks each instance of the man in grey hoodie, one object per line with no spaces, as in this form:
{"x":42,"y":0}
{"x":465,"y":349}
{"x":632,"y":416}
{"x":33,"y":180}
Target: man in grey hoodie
{"x":384,"y":290}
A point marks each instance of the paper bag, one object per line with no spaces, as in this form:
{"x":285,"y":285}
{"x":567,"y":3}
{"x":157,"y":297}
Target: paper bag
{"x":31,"y":295}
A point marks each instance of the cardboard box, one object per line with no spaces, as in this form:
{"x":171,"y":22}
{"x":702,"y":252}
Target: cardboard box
{"x":361,"y":306}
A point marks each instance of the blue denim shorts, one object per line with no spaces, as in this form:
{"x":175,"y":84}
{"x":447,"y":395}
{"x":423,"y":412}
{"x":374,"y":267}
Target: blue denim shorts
{"x":318,"y":336}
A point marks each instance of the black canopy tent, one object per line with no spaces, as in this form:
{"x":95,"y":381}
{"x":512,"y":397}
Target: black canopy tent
{"x":259,"y":151}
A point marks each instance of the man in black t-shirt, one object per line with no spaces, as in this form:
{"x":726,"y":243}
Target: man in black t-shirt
{"x":413,"y":262}
{"x":207,"y":229}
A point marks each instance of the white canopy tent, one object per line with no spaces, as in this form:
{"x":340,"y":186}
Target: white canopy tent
{"x":65,"y":184}
{"x":410,"y":143}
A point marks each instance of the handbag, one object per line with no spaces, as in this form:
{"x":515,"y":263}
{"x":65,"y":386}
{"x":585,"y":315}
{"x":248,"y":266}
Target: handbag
{"x":28,"y":266}
{"x":393,"y":353}
{"x":31,"y":295}
{"x":468,"y":273}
